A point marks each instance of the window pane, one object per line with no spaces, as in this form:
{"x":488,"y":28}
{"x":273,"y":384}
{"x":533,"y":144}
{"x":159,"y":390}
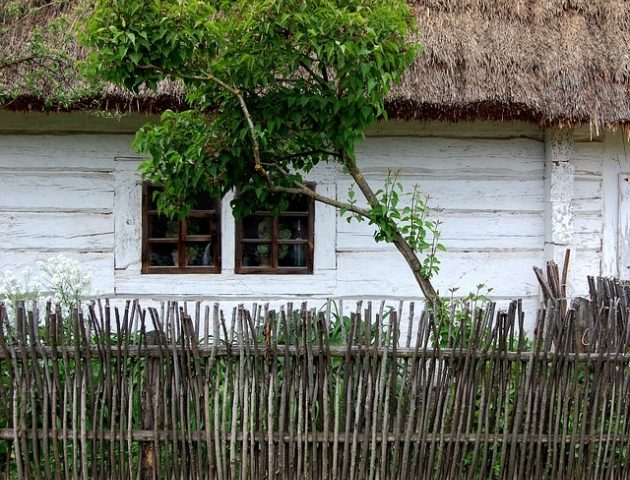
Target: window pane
{"x":162,"y":255}
{"x":199,"y":226}
{"x":199,"y":254}
{"x":161,"y":227}
{"x":256,"y":255}
{"x":292,"y":228}
{"x":292,"y":255}
{"x":257,"y":227}
{"x":278,"y":244}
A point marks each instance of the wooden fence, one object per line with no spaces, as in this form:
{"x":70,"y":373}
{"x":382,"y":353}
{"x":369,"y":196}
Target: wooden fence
{"x":188,"y":391}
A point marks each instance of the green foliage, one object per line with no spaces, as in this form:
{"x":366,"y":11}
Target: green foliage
{"x":457,"y":321}
{"x":411,"y":221}
{"x":312,"y":76}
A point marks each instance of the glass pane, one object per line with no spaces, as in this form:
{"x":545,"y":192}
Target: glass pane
{"x":199,"y":254}
{"x":199,"y":226}
{"x":161,"y":227}
{"x":257,"y":227}
{"x":162,"y":255}
{"x":292,"y":255}
{"x":256,"y":255}
{"x":292,"y":228}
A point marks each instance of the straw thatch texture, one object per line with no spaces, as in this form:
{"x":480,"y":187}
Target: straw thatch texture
{"x":39,"y":68}
{"x":547,"y":61}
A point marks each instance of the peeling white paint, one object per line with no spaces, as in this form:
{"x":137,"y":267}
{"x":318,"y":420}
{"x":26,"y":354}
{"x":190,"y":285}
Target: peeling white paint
{"x":560,"y":172}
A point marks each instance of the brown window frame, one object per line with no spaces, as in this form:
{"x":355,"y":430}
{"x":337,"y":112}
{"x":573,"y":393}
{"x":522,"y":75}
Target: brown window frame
{"x":182,"y":238}
{"x":274,"y":241}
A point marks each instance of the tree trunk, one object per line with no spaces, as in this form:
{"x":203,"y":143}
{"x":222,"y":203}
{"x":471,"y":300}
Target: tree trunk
{"x":401,"y":244}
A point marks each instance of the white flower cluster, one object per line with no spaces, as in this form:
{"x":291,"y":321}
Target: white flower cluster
{"x":59,"y":277}
{"x":24,"y":287}
{"x":65,"y":280}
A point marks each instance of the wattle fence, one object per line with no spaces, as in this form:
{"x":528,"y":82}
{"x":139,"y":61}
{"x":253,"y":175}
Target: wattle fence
{"x":189,"y":391}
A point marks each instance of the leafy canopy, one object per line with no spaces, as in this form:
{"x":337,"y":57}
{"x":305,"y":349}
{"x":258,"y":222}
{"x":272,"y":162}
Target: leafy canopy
{"x":290,"y":82}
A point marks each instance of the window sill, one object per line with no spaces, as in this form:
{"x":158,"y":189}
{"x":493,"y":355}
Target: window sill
{"x":226,"y":284}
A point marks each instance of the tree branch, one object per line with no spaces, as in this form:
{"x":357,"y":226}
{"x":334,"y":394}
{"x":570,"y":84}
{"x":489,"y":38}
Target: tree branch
{"x":317,"y":78}
{"x":241,"y":100}
{"x":310,"y":192}
{"x":399,"y":242}
{"x":323,"y":199}
{"x":308,"y":153}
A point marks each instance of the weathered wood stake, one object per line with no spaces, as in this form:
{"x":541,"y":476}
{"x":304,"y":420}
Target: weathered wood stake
{"x":150,"y":411}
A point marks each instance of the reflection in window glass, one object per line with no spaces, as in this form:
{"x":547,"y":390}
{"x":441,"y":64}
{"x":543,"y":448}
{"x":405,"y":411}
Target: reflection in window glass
{"x":181,"y":246}
{"x":277,"y":244}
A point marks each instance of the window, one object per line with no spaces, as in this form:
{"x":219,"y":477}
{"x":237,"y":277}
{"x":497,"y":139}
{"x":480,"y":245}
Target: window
{"x":192,"y":245}
{"x":277,"y":244}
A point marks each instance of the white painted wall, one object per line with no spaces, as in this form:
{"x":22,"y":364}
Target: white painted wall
{"x":487,"y":184}
{"x":616,"y":167}
{"x":77,"y":192}
{"x":588,"y":210}
{"x":56,"y":197}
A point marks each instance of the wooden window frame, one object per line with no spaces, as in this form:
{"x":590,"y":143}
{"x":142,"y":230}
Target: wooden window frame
{"x":274,"y":268}
{"x":182,"y":238}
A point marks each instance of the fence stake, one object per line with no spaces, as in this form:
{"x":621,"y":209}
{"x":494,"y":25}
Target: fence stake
{"x":150,"y":411}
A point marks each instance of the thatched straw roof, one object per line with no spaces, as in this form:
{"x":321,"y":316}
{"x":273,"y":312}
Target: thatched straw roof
{"x":547,"y":61}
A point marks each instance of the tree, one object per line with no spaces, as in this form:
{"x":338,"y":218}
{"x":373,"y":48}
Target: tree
{"x":275,"y":87}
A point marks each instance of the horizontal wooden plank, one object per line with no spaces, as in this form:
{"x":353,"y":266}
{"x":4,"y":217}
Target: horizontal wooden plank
{"x":588,"y":223}
{"x":460,"y":130}
{"x":587,"y":241}
{"x":130,"y":282}
{"x":584,"y":263}
{"x":589,"y":160}
{"x":101,"y":265}
{"x":588,"y":197}
{"x":62,"y":153}
{"x":588,"y":230}
{"x":57,"y":231}
{"x":509,"y":273}
{"x":56,"y":191}
{"x":458,"y":231}
{"x":79,"y":122}
{"x":588,"y":188}
{"x":452,"y":158}
{"x":470,"y":194}
{"x":588,"y":206}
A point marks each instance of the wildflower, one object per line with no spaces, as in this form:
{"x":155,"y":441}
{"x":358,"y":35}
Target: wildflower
{"x":65,"y":280}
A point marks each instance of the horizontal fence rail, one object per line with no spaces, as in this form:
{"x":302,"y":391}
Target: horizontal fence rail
{"x":188,"y":390}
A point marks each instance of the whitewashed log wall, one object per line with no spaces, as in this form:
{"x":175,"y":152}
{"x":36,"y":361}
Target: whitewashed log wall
{"x":59,"y":193}
{"x":487,"y":185}
{"x":56,"y":197}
